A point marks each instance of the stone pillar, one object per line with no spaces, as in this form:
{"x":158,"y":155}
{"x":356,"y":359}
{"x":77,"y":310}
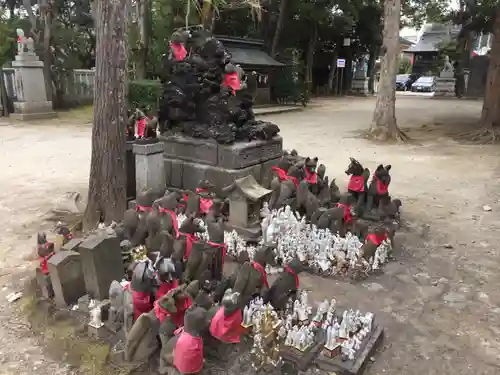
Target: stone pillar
{"x":32,"y":103}
{"x":360,"y":84}
{"x":149,"y":167}
{"x":445,"y":85}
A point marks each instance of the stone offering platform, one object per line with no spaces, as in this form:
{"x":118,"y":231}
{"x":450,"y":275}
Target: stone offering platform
{"x":445,"y":87}
{"x":190,"y":160}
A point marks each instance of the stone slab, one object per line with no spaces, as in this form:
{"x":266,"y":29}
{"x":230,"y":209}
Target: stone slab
{"x":243,"y":154}
{"x":187,"y":175}
{"x":66,"y":275}
{"x":303,"y":359}
{"x":235,"y":156}
{"x":357,"y":366}
{"x":149,"y":167}
{"x":33,"y":116}
{"x":190,"y":149}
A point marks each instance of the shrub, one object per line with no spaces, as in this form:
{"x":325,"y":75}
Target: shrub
{"x":144,"y":95}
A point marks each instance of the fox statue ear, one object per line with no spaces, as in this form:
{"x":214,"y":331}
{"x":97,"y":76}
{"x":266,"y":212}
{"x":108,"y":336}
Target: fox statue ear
{"x":388,"y":167}
{"x":380,"y":166}
{"x":352,"y":159}
{"x":316,"y":159}
{"x":308,"y":159}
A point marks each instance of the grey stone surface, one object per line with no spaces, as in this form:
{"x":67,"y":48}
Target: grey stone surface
{"x":32,"y":100}
{"x":149,"y":167}
{"x":235,"y":156}
{"x":360,"y":86}
{"x":190,"y":149}
{"x":101,"y":263}
{"x":72,"y":245}
{"x":67,"y":277}
{"x":445,"y":87}
{"x":244,"y":154}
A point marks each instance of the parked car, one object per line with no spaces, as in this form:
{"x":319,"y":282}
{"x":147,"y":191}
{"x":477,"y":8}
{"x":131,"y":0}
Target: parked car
{"x":403,"y":82}
{"x":424,"y":84}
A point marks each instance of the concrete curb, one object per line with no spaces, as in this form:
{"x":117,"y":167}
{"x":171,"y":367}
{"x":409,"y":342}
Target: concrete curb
{"x":275,"y":111}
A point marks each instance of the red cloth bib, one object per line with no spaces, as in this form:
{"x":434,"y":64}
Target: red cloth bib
{"x":232,"y":80}
{"x":166,"y":287}
{"x":182,"y":304}
{"x":140,"y":208}
{"x":141,"y":127}
{"x":227,"y":329}
{"x":290,"y":271}
{"x":347,"y":212}
{"x":205,"y":203}
{"x":283,"y":176}
{"x":190,"y":238}
{"x":382,"y":188}
{"x":188,"y":354}
{"x":262,"y":272}
{"x":356,"y":183}
{"x":142,"y":303}
{"x":311,"y":177}
{"x":44,"y":265}
{"x":175,"y":220}
{"x":376,"y":240}
{"x":179,"y":51}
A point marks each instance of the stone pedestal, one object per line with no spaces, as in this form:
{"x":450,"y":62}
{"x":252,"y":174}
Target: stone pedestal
{"x":445,"y":85}
{"x":149,"y":166}
{"x":360,"y":86}
{"x":190,"y":160}
{"x":32,"y":103}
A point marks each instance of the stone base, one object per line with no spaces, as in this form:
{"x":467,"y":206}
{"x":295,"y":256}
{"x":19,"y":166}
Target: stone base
{"x":97,"y":332}
{"x":445,"y":88}
{"x":187,"y":175}
{"x":360,"y":87}
{"x":28,"y":111}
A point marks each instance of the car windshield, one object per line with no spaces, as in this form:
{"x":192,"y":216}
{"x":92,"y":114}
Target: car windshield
{"x":401,"y":77}
{"x":425,"y":80}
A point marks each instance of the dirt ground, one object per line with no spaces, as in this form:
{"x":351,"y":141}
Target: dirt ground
{"x":439,"y":301}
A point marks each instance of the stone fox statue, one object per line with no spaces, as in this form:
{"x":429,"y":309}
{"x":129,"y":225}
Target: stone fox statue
{"x":379,"y":186}
{"x":251,"y":279}
{"x":358,"y":182}
{"x":285,"y":286}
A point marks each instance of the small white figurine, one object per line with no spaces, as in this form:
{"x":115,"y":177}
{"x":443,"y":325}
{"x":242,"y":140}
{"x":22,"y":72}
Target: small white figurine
{"x":95,"y":318}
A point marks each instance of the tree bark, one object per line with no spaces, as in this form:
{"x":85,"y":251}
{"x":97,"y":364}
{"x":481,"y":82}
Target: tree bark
{"x":310,"y":56}
{"x":384,"y":125}
{"x":144,"y":15}
{"x":490,"y":116}
{"x":107,"y":196}
{"x":331,"y":74}
{"x":374,"y":51}
{"x":47,"y":51}
{"x":279,"y":28}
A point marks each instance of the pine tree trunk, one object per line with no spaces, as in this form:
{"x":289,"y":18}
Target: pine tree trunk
{"x":107,"y":197}
{"x":279,"y":28}
{"x":374,"y":51}
{"x":143,"y":16}
{"x":490,"y":116}
{"x":384,"y":125}
{"x":47,"y":52}
{"x":332,"y":72}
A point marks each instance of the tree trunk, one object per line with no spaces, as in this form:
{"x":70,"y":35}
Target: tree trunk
{"x":310,"y":57}
{"x":331,"y":74}
{"x":107,"y":197}
{"x":47,"y":51}
{"x":143,"y":16}
{"x":374,"y":51}
{"x":384,"y":125}
{"x":490,"y":116}
{"x":279,"y":28}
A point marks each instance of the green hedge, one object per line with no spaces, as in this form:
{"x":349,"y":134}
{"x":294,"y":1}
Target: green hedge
{"x":144,"y":95}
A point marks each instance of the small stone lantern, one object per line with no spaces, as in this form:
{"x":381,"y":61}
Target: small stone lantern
{"x":246,"y":197}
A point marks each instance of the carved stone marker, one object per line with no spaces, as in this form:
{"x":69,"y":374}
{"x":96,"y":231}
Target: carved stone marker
{"x":32,"y":103}
{"x":149,"y":166}
{"x":67,"y":278}
{"x":191,"y":160}
{"x":101,"y":263}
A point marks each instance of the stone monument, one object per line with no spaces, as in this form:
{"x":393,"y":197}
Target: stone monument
{"x":32,"y":100}
{"x":445,"y":83}
{"x":360,"y":81}
{"x":206,"y":119}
